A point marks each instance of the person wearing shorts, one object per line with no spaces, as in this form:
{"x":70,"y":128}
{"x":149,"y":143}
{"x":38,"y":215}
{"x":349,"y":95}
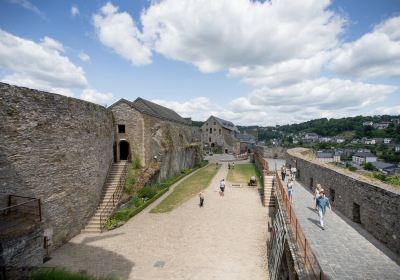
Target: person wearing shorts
{"x":290,"y":189}
{"x":222,"y":187}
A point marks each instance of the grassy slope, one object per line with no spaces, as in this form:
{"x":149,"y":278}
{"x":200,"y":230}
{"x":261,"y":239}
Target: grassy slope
{"x":242,"y":173}
{"x":187,"y":189}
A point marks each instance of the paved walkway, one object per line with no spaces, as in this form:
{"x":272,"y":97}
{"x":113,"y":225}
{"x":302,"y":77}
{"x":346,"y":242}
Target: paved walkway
{"x":226,"y":239}
{"x":344,"y":249}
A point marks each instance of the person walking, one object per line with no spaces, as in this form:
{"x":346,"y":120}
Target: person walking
{"x":222,"y":187}
{"x":322,"y":202}
{"x":293,"y":171}
{"x":290,"y":190}
{"x":318,"y":188}
{"x":201,"y":196}
{"x":233,"y":165}
{"x":283,"y":172}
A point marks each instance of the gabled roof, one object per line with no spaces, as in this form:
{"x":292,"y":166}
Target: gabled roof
{"x":152,"y":109}
{"x":364,"y":154}
{"x":225,"y":124}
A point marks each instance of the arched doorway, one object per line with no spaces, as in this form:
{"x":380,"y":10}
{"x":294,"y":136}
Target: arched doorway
{"x":124,"y":150}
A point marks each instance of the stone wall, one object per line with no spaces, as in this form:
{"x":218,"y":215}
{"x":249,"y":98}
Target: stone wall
{"x":376,"y":206}
{"x":170,"y":143}
{"x":21,"y":251}
{"x":57,"y":149}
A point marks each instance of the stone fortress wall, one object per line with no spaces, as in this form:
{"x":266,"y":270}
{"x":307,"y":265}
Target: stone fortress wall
{"x":374,"y":205}
{"x":55,"y":148}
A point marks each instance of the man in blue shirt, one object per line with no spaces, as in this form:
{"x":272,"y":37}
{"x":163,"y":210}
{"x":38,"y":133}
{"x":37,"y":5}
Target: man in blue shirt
{"x":322,"y":203}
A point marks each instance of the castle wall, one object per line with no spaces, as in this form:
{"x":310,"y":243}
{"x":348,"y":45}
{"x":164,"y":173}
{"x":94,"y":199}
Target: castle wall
{"x":375,"y":206}
{"x":170,"y":143}
{"x":55,"y":148}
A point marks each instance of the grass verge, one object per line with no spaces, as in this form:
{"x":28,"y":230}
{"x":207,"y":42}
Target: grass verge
{"x":62,"y":274}
{"x":242,"y":173}
{"x":144,"y":197}
{"x":187,"y":189}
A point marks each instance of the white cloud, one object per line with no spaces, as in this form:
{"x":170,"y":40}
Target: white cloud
{"x":42,"y":63}
{"x":29,"y":6}
{"x":74,"y":10}
{"x":84,"y":56}
{"x":96,"y":97}
{"x":118,"y":31}
{"x":218,"y":35}
{"x":375,"y":54}
{"x":395,"y":110}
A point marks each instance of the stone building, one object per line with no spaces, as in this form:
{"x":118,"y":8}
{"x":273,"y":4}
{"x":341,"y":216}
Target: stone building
{"x":155,"y":134}
{"x":218,"y":134}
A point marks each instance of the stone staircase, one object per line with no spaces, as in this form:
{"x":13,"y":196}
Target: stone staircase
{"x":269,"y":199}
{"x":105,"y":207}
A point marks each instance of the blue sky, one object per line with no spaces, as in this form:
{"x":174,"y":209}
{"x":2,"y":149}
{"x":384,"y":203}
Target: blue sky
{"x":264,"y":63}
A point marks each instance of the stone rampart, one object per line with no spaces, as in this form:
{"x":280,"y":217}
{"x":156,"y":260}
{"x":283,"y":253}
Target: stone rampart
{"x":55,"y":148}
{"x":373,"y":204}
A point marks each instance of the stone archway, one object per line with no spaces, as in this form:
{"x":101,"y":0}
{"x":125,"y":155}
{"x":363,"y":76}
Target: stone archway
{"x":124,"y":150}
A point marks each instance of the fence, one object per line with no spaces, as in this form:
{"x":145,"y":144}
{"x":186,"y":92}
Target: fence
{"x":310,"y":261}
{"x":23,"y":206}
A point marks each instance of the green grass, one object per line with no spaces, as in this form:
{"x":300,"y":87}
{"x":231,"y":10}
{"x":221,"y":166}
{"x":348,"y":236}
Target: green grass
{"x":187,"y":189}
{"x":242,"y":173}
{"x":144,"y":197}
{"x":62,"y":274}
{"x":393,"y":180}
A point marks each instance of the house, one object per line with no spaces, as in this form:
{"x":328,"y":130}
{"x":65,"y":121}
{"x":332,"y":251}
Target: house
{"x":363,"y":156}
{"x":339,"y":140}
{"x":381,"y":125}
{"x":218,"y":134}
{"x":246,"y":143}
{"x":397,"y":148}
{"x":378,"y":140}
{"x":325,"y":139}
{"x":328,"y":156}
{"x":310,"y":137}
{"x":395,"y":121}
{"x":368,"y":123}
{"x":356,"y":141}
{"x":367,"y":141}
{"x":387,"y":140}
{"x":386,"y":168}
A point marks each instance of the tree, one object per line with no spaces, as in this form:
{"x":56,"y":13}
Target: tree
{"x":368,"y":166}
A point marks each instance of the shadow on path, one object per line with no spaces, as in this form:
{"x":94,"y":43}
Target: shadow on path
{"x":93,"y":260}
{"x":90,"y":239}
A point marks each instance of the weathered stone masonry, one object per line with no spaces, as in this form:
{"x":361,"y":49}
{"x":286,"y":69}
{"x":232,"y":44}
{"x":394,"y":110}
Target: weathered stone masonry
{"x":57,"y":149}
{"x":376,"y":207}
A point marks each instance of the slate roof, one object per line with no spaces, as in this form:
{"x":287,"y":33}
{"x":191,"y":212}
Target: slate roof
{"x":225,"y":124}
{"x":321,"y":154}
{"x":246,"y":138}
{"x":152,"y":109}
{"x":364,"y":154}
{"x":383,"y":165}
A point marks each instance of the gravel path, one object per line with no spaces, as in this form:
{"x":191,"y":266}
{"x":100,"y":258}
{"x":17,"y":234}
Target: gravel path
{"x":226,"y":239}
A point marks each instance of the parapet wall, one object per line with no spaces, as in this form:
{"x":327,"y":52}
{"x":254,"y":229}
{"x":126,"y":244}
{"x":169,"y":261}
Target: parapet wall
{"x":376,"y":206}
{"x":57,"y":149}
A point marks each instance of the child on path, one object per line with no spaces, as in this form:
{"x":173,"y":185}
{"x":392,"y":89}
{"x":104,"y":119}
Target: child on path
{"x":201,"y":196}
{"x":222,"y":187}
{"x":322,"y":202}
{"x":290,"y":189}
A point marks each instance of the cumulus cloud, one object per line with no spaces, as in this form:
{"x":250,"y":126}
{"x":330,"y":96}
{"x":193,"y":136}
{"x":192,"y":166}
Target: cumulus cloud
{"x":84,"y":56}
{"x":74,"y":10}
{"x":41,"y":65}
{"x":395,"y":110}
{"x":94,"y":96}
{"x":375,"y":54}
{"x":118,"y":31}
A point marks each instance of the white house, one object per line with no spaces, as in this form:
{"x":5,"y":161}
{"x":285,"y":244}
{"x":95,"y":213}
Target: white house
{"x":367,"y":141}
{"x":387,"y":140}
{"x":363,"y":156}
{"x":381,"y":125}
{"x":397,"y":148}
{"x":328,"y":156}
{"x":368,"y":123}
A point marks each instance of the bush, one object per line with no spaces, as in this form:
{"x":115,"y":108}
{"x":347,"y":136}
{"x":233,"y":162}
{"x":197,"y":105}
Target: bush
{"x":62,"y":274}
{"x":368,"y":166}
{"x":110,"y":224}
{"x":136,"y":162}
{"x":352,"y":168}
{"x":147,"y":192}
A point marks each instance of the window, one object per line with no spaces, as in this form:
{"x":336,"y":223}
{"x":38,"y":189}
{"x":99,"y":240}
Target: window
{"x":209,"y":139}
{"x":219,"y":131}
{"x":201,"y":130}
{"x":210,"y":130}
{"x":215,"y":123}
{"x":121,"y":128}
{"x":215,"y":129}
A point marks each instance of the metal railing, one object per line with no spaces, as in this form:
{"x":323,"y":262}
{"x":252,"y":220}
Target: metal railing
{"x":23,"y":206}
{"x":262,"y":161}
{"x":310,"y":261}
{"x":114,"y":199}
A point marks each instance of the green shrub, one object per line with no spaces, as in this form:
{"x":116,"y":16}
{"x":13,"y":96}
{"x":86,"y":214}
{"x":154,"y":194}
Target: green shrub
{"x":130,"y":181}
{"x":62,"y":274}
{"x":352,"y":168}
{"x":136,"y":162}
{"x":147,"y":192}
{"x":111,"y":223}
{"x":368,"y":166}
